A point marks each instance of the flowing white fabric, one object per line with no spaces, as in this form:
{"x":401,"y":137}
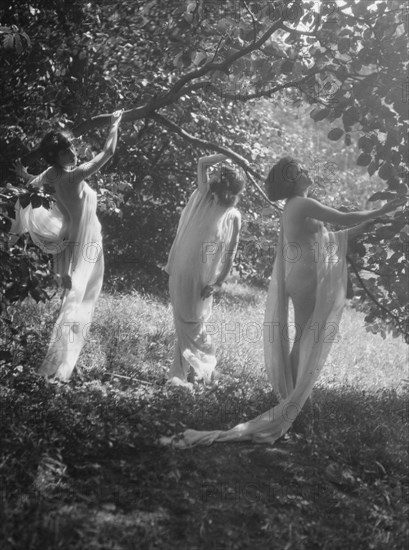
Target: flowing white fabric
{"x":315,"y":344}
{"x":77,"y":250}
{"x":47,"y":227}
{"x":196,"y":260}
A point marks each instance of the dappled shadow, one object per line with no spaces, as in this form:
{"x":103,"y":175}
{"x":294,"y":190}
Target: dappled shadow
{"x":95,"y":475}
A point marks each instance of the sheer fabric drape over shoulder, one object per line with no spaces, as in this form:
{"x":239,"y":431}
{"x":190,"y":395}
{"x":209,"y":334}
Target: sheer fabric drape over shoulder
{"x":78,"y":258}
{"x":316,"y":341}
{"x":195,"y":261}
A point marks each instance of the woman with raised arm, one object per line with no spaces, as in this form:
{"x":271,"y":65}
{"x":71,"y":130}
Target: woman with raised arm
{"x":71,"y":231}
{"x":200,"y":259}
{"x":309,"y":269}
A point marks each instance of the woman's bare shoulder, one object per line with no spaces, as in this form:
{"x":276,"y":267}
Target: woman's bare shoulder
{"x":299,"y":202}
{"x":299,"y":206}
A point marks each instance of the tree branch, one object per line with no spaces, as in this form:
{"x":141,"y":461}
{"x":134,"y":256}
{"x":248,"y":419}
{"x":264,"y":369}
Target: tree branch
{"x":241,"y":161}
{"x":176,"y":91}
{"x":208,"y":86}
{"x":224,"y":65}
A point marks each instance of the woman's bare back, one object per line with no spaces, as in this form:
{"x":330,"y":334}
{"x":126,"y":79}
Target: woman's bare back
{"x":68,"y":196}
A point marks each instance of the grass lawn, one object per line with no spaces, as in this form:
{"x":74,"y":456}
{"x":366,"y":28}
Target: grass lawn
{"x":81,"y":467}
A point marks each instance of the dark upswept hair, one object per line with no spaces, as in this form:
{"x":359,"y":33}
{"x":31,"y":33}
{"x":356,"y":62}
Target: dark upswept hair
{"x":229,"y":182}
{"x":282,"y":178}
{"x":51,"y":144}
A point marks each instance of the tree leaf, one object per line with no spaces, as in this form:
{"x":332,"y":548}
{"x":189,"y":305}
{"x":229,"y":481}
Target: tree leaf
{"x":36,"y":201}
{"x":335,"y":134}
{"x":386,"y":232}
{"x":386,"y":171}
{"x":287,"y":66}
{"x":351,"y":116}
{"x":382,"y":196}
{"x":319,"y":115}
{"x":344,"y":45}
{"x":364,"y":159}
{"x":366,"y":144}
{"x":372,"y":168}
{"x":24,"y":200}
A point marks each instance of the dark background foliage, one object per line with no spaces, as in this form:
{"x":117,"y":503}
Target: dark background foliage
{"x":323,"y":82}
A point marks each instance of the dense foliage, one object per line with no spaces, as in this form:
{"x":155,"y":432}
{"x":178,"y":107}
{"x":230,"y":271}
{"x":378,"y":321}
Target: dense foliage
{"x":203,"y":76}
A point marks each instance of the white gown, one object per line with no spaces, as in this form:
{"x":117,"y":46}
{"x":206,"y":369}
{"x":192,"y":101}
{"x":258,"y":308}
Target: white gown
{"x":195,"y":261}
{"x":331,"y":283}
{"x":77,"y":250}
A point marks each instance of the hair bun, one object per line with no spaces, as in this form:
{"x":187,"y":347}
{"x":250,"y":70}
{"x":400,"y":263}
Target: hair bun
{"x":51,"y":145}
{"x":228,"y":181}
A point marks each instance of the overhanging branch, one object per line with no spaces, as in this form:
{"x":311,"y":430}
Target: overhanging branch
{"x":209,"y":86}
{"x":241,"y":161}
{"x":177,"y":89}
{"x":224,"y":65}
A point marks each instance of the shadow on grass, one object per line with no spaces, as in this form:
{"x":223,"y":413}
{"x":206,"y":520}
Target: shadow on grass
{"x":82,"y":469}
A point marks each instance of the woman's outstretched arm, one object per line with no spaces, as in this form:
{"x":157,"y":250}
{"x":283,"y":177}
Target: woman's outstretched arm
{"x":202,"y":167}
{"x":310,"y":208}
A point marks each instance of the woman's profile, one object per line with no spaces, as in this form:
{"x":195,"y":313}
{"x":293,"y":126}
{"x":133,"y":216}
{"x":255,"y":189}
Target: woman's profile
{"x":70,"y":230}
{"x":310,"y":270}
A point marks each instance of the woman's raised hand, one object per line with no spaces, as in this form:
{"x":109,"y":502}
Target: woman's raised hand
{"x":20,"y":170}
{"x":208,"y":290}
{"x":116,"y":117}
{"x":393,"y":205}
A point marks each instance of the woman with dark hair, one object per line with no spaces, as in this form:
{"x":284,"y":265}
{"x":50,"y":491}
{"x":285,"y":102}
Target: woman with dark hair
{"x":310,"y":270}
{"x":71,"y":231}
{"x":199,"y":261}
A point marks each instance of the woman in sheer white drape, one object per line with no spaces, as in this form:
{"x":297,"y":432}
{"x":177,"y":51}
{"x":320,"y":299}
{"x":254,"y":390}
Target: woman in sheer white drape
{"x":309,"y":270}
{"x":199,"y":261}
{"x":71,"y":231}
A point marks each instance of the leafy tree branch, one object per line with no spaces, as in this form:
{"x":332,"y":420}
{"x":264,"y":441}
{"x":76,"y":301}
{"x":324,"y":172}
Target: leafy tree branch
{"x":204,"y":144}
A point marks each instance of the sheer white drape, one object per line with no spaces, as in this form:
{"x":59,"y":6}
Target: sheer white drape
{"x":195,"y":261}
{"x":315,"y":344}
{"x":77,"y":250}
